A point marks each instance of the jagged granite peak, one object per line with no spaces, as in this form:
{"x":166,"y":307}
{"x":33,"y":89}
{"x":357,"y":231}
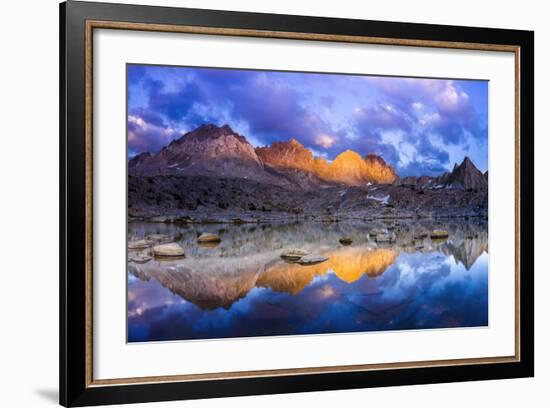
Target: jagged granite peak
{"x":218,"y":151}
{"x":465,"y":176}
{"x":291,"y":155}
{"x":379,"y":169}
{"x":209,"y":131}
{"x":374,"y":158}
{"x":139,"y":159}
{"x":348,"y":159}
{"x":468,"y":176}
{"x":467,"y":161}
{"x":207,"y":144}
{"x":347,"y":168}
{"x":350,"y":168}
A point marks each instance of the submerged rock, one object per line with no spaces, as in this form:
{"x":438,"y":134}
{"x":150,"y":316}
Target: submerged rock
{"x":420,"y":235}
{"x":439,"y":234}
{"x":209,"y":244}
{"x":161,"y":219}
{"x":293,"y":254}
{"x":346,"y":241}
{"x":171,"y":249}
{"x":140,"y":259}
{"x":159,"y":238}
{"x":141,"y":244}
{"x":312,"y":259}
{"x":383,"y":238}
{"x":377,"y":231}
{"x":206,"y":237}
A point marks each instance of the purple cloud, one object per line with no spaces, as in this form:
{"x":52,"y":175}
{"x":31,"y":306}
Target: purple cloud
{"x":147,"y":132}
{"x":418,"y":125}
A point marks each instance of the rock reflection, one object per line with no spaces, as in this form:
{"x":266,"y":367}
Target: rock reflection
{"x":210,"y":283}
{"x":248,"y":257}
{"x":205,"y":283}
{"x":349,"y":264}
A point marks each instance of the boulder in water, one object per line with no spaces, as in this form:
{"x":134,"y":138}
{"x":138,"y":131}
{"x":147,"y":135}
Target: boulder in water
{"x":312,"y":259}
{"x":171,"y":249}
{"x":293,"y":254}
{"x":159,"y":238}
{"x":140,"y":259}
{"x":377,"y":231}
{"x":161,"y":219}
{"x":385,"y":238}
{"x":206,"y":237}
{"x":439,"y":234}
{"x":141,"y":244}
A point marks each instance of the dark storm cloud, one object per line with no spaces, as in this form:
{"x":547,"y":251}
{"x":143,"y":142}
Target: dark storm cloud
{"x":174,"y":105}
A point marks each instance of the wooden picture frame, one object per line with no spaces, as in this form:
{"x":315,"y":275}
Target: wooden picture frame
{"x":78,"y":20}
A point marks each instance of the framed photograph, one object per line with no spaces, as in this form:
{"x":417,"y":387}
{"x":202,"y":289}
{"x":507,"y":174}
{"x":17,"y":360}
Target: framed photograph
{"x":256,"y":203}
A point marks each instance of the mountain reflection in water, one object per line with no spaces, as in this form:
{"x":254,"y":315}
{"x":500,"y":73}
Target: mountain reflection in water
{"x":242,"y":288}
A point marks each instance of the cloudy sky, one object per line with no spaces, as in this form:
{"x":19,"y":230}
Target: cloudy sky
{"x":420,"y":126}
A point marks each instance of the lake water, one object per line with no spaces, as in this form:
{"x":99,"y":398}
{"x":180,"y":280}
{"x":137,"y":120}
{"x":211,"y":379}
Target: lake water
{"x":242,"y":288}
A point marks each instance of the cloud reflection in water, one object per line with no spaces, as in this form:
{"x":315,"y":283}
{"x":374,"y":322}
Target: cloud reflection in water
{"x":360,"y":288}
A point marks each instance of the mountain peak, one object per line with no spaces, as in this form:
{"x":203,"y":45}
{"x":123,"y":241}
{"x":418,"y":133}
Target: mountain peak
{"x":209,"y":131}
{"x":139,"y":159}
{"x":210,"y":128}
{"x":378,"y":170}
{"x":347,"y":168}
{"x":294,"y":142}
{"x":227,"y":128}
{"x":374,"y":158}
{"x":291,"y":155}
{"x":348,"y":155}
{"x":467,"y":175}
{"x":211,"y":149}
{"x":206,"y":150}
{"x":467,"y":162}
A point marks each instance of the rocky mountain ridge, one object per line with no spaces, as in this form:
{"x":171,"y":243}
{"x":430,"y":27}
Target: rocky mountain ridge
{"x":348,"y":168}
{"x":213,"y":174}
{"x":464,"y":176}
{"x":215,"y":151}
{"x":212,"y":150}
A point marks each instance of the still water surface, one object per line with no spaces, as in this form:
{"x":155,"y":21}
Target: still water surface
{"x":242,"y":288}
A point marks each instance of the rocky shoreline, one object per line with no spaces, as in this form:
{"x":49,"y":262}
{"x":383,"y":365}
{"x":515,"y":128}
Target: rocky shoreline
{"x":283,"y":218}
{"x":172,"y":200}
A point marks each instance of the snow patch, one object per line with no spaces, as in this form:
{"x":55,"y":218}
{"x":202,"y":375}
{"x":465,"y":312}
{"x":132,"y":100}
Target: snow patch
{"x":384,"y":199}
